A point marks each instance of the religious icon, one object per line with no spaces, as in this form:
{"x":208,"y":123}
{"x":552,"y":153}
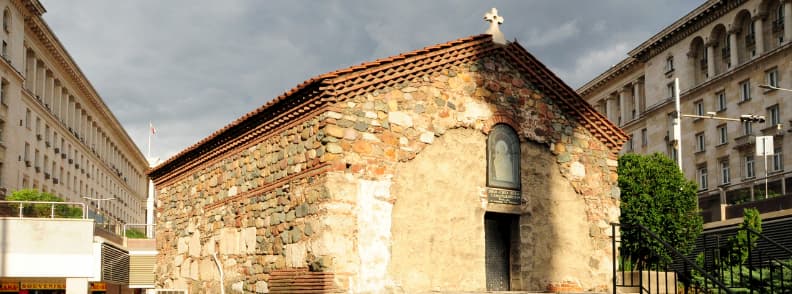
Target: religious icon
{"x":503,"y":158}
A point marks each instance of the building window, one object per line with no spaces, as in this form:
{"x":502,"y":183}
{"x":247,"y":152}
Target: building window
{"x":723,"y":134}
{"x":27,"y":118}
{"x":745,"y":90}
{"x":750,"y":171}
{"x":720,"y":99}
{"x":771,"y":77}
{"x":7,"y":20}
{"x":724,"y":167}
{"x":27,"y":154}
{"x":3,"y":92}
{"x":778,"y":160}
{"x":4,"y":51}
{"x":700,"y":143}
{"x":630,"y":146}
{"x":669,"y":65}
{"x":702,"y":177}
{"x":699,"y":107}
{"x":670,"y":90}
{"x":503,"y":158}
{"x":644,"y":138}
{"x":773,"y":116}
{"x":747,"y":128}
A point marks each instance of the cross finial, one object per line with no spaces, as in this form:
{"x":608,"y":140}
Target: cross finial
{"x":494,"y":29}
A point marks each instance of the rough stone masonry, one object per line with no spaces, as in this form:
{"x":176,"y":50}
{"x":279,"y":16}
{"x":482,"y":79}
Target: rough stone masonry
{"x":383,"y":189}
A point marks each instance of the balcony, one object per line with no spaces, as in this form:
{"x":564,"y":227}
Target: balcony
{"x":46,"y":176}
{"x":39,"y":137}
{"x":744,"y":142}
{"x":57,"y":150}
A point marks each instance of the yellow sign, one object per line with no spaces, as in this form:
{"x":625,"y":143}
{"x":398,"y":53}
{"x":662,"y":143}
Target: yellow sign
{"x":9,"y":286}
{"x":98,"y":286}
{"x":40,"y":285}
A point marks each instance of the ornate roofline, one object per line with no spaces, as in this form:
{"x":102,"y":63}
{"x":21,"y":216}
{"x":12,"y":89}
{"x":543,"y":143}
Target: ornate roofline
{"x":692,"y":22}
{"x":349,"y":82}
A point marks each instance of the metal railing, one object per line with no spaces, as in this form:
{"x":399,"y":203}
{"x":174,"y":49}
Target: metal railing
{"x":763,"y":267}
{"x":42,"y":209}
{"x":657,"y":272}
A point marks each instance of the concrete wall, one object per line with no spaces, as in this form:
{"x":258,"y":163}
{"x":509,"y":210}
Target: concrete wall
{"x":46,"y":248}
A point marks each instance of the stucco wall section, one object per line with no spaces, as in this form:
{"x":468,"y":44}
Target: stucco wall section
{"x":438,"y":217}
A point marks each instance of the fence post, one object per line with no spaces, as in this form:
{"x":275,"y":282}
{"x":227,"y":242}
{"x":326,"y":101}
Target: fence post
{"x":20,"y":209}
{"x":613,"y":246}
{"x":52,"y":210}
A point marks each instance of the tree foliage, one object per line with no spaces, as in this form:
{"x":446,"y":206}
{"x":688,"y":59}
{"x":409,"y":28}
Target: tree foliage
{"x":742,"y":243}
{"x":42,"y":210}
{"x":656,"y":195}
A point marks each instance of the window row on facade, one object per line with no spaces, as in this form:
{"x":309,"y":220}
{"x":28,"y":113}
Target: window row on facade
{"x":75,"y":116}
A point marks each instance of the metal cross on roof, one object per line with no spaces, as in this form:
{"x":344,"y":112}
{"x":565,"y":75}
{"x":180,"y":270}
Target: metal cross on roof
{"x":494,"y":29}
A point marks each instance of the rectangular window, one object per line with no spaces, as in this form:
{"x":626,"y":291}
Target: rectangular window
{"x":669,"y":65}
{"x":3,"y":92}
{"x":702,"y":178}
{"x":745,"y":90}
{"x":670,"y":90}
{"x":700,"y":143}
{"x":750,"y":171}
{"x":771,"y":77}
{"x":699,"y":107}
{"x":722,"y":134}
{"x":27,"y":154}
{"x":644,"y":138}
{"x":725,"y":176}
{"x":747,"y":128}
{"x":27,"y":118}
{"x":720,"y":98}
{"x":630,"y":144}
{"x":773,"y":116}
{"x":778,"y":160}
{"x":37,"y":160}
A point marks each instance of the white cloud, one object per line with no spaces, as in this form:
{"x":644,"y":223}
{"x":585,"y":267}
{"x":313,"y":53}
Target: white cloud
{"x":543,"y":37}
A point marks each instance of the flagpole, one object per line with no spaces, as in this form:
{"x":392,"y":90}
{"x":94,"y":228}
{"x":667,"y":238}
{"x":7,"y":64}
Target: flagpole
{"x":148,"y":151}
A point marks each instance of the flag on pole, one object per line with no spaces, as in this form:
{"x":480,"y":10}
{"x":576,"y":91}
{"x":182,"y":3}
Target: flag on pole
{"x":152,"y":129}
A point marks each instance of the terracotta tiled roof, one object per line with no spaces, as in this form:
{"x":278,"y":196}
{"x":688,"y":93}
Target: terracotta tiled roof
{"x":363,"y":78}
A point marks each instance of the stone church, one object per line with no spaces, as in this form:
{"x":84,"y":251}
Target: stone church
{"x":463,"y":166}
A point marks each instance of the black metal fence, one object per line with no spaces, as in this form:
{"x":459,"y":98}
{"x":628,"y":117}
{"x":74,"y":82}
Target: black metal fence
{"x":656,"y":271}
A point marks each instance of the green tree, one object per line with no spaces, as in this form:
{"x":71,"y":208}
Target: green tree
{"x":656,"y":195}
{"x":42,"y":210}
{"x":742,"y":243}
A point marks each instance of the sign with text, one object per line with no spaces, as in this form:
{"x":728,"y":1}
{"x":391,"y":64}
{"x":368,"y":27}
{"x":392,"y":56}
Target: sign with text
{"x":9,"y":286}
{"x":764,"y":145}
{"x":495,"y":195}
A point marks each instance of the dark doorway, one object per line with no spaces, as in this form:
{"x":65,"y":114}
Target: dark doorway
{"x":498,"y":239}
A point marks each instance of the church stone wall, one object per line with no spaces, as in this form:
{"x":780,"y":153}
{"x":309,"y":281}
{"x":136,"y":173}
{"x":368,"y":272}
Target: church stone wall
{"x":257,"y":209}
{"x":425,"y":141}
{"x":387,"y":191}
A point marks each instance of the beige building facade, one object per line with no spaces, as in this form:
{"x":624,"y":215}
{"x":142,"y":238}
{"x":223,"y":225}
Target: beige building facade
{"x":721,"y":52}
{"x":56,"y":133}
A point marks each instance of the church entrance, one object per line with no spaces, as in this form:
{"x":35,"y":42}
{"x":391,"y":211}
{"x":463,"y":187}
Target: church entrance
{"x":498,"y":238}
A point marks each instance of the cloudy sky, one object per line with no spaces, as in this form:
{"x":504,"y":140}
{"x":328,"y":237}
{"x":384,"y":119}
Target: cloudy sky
{"x":193,"y":66}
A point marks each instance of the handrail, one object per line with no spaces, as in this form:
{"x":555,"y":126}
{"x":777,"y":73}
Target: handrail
{"x":679,"y":255}
{"x":51,"y":203}
{"x":782,"y":247}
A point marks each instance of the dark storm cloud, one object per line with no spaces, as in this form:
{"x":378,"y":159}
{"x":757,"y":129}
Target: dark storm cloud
{"x":192,"y":67}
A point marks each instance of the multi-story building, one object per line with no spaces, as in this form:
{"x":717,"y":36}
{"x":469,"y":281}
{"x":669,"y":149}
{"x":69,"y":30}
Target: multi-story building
{"x":56,"y":133}
{"x":725,"y":54}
